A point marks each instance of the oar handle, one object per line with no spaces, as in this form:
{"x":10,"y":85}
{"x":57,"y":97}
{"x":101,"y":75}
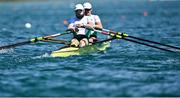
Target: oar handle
{"x":52,"y":36}
{"x":58,"y":34}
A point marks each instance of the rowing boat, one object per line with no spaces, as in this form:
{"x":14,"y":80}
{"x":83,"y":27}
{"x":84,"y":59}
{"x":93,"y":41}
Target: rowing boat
{"x":71,"y":51}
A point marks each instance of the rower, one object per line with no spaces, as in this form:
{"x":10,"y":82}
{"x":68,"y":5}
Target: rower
{"x":66,"y":22}
{"x":94,"y":19}
{"x":77,"y":26}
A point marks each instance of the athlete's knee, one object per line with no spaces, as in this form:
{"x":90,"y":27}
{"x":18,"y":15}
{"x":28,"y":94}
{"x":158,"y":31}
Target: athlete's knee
{"x":83,"y":42}
{"x":92,"y":39}
{"x":74,"y":43}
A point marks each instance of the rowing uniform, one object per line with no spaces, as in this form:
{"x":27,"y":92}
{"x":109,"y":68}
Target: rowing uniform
{"x":93,"y":19}
{"x":81,"y":33}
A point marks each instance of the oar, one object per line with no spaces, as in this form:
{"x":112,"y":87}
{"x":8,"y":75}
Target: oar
{"x":147,"y":44}
{"x":33,"y":40}
{"x":15,"y":45}
{"x":57,"y":41}
{"x":123,"y":36}
{"x":58,"y":34}
{"x":154,"y":42}
{"x":106,"y":40}
{"x":174,"y":47}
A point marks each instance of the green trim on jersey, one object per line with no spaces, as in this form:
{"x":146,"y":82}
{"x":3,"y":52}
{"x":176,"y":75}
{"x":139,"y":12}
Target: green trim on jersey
{"x":90,"y":32}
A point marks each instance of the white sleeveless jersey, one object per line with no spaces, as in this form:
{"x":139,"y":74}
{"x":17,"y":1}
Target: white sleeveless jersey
{"x":75,"y":21}
{"x":93,"y":19}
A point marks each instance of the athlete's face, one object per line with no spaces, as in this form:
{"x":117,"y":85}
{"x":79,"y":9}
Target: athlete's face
{"x":79,"y":13}
{"x":88,"y":12}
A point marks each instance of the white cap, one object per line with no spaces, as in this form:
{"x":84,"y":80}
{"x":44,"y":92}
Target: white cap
{"x":79,"y":7}
{"x":87,"y":5}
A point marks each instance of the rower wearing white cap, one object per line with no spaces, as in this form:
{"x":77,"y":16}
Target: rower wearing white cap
{"x":77,"y":25}
{"x":94,"y":19}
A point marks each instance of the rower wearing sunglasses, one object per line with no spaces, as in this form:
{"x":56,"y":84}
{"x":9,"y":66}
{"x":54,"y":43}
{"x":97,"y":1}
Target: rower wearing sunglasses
{"x":94,"y":19}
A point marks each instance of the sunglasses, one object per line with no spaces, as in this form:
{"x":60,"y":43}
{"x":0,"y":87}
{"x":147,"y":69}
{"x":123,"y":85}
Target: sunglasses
{"x":87,"y":9}
{"x":78,"y":10}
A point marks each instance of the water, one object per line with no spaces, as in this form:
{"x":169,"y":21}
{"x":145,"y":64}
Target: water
{"x":125,"y":69}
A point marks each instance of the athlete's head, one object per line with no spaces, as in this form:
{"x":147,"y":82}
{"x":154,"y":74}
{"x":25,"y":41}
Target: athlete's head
{"x":88,"y":8}
{"x":79,"y":11}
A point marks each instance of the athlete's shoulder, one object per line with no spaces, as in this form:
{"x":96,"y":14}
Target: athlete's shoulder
{"x":86,"y":17}
{"x":72,"y":20}
{"x":96,"y":16}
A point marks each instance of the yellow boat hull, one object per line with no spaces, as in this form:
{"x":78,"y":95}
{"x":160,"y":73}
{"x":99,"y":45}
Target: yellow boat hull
{"x":70,"y":51}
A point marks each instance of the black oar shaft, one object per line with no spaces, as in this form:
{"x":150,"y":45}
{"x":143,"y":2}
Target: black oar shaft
{"x":145,"y":40}
{"x":154,"y":42}
{"x":148,"y":45}
{"x":14,"y":45}
{"x":110,"y":39}
{"x":57,"y":41}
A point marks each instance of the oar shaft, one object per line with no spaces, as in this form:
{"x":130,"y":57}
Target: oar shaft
{"x":147,"y":45}
{"x":14,"y":45}
{"x":109,"y":32}
{"x":57,"y":41}
{"x":110,"y":39}
{"x":106,"y":30}
{"x":154,"y":42}
{"x":56,"y":35}
{"x":145,"y":40}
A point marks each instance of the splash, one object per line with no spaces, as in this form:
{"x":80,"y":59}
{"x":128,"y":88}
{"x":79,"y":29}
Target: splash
{"x":46,"y":55}
{"x":3,"y":51}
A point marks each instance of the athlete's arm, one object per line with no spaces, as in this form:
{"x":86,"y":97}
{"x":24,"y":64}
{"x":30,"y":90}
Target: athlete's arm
{"x":71,"y":27}
{"x":90,"y":25}
{"x":98,"y":23}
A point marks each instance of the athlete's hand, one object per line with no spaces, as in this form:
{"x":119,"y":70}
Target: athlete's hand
{"x":73,"y":29}
{"x":88,"y":26}
{"x":79,"y":25}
